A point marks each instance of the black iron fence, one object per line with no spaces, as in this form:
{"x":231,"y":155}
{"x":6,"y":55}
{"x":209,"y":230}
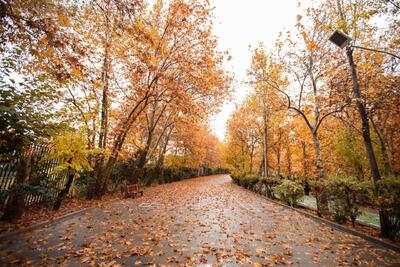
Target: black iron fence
{"x":43,"y":183}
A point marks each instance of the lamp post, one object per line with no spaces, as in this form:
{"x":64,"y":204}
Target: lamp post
{"x":343,"y":40}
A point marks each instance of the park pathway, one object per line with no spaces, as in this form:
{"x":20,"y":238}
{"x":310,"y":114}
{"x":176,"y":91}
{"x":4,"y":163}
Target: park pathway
{"x":198,"y":222}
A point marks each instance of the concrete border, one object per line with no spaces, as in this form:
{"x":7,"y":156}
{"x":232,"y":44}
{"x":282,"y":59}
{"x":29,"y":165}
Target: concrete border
{"x":337,"y":226}
{"x":43,"y":224}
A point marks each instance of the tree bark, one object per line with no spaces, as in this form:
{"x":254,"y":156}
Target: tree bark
{"x":99,"y":165}
{"x":265,"y":144}
{"x":63,"y":193}
{"x":289,"y":159}
{"x":305,"y":167}
{"x":278,"y":160}
{"x":160,"y":161}
{"x":387,"y":168}
{"x":322,"y":201}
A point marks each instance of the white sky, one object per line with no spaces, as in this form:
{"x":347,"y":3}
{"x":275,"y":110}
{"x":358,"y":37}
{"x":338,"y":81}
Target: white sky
{"x":238,"y":24}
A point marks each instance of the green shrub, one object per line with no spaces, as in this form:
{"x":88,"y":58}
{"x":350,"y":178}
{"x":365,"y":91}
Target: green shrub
{"x":247,"y":181}
{"x":270,"y":183}
{"x":218,"y":171}
{"x":289,"y":191}
{"x":236,"y":178}
{"x":243,"y":182}
{"x":345,"y":194}
{"x":251,"y":180}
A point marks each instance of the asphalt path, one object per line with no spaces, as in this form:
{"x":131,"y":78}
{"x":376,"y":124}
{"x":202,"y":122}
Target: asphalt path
{"x":206,"y":221}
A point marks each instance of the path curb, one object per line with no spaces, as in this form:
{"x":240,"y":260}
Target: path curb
{"x":337,"y":226}
{"x":45,"y":223}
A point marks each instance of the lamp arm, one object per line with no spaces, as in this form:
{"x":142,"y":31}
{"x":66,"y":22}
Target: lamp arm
{"x":376,"y":50}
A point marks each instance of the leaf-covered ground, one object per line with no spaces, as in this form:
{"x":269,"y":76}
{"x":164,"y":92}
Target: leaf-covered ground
{"x":205,"y":220}
{"x":44,"y":212}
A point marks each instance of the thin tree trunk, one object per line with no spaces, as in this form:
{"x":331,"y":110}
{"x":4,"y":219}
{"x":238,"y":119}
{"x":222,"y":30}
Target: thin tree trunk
{"x":305,"y":167}
{"x":265,"y":145}
{"x":322,"y":202}
{"x":160,"y":161}
{"x":63,"y":193}
{"x":160,"y":168}
{"x":289,"y":159}
{"x":387,"y":168}
{"x":278,"y":159}
{"x":251,"y":158}
{"x":99,"y":165}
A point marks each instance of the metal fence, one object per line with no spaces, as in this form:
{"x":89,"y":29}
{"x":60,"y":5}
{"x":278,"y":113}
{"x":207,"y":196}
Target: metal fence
{"x":41,"y":175}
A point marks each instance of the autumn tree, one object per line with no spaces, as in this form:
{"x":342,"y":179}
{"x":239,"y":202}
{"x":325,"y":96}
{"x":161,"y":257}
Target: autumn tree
{"x":172,"y":57}
{"x":39,"y":54}
{"x":243,"y":137}
{"x":354,"y":18}
{"x":305,"y":61}
{"x":268,"y":100}
{"x":70,"y":151}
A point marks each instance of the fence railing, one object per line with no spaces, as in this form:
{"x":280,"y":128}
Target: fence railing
{"x":41,"y":175}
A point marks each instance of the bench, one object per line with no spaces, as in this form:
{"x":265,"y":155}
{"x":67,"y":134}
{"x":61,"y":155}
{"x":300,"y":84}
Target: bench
{"x":133,"y":190}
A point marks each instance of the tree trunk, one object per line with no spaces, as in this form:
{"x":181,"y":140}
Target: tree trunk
{"x":251,"y":158}
{"x":99,"y":165}
{"x":265,"y":145}
{"x":387,"y":168}
{"x":16,"y":203}
{"x":278,"y":160}
{"x":289,"y":159}
{"x":322,"y":202}
{"x":142,"y":159}
{"x":63,"y":193}
{"x":364,"y":118}
{"x":383,"y":216}
{"x":261,"y":166}
{"x":160,"y":168}
{"x":305,"y":167}
{"x":160,"y":161}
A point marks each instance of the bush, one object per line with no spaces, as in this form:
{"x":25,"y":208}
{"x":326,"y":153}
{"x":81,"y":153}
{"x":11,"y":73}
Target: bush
{"x":289,"y":191}
{"x":247,"y":181}
{"x":125,"y":171}
{"x":250,"y":180}
{"x":269,"y":183}
{"x":345,"y":194}
{"x":218,"y":171}
{"x":388,"y":201}
{"x":236,"y":179}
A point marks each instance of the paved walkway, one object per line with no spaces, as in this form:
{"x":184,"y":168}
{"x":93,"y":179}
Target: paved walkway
{"x":201,"y":221}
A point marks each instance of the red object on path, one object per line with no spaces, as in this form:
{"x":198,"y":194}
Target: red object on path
{"x":133,"y":190}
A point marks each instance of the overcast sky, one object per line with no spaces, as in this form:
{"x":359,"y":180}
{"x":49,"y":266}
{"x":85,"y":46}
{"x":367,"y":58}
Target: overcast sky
{"x":240,"y":23}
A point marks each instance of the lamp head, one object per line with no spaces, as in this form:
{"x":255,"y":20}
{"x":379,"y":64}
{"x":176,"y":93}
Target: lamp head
{"x":340,"y":39}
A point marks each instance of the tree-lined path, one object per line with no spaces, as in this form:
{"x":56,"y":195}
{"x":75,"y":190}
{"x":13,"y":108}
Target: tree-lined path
{"x":206,"y":220}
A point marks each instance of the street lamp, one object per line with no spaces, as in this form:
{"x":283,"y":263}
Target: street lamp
{"x":342,"y":40}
